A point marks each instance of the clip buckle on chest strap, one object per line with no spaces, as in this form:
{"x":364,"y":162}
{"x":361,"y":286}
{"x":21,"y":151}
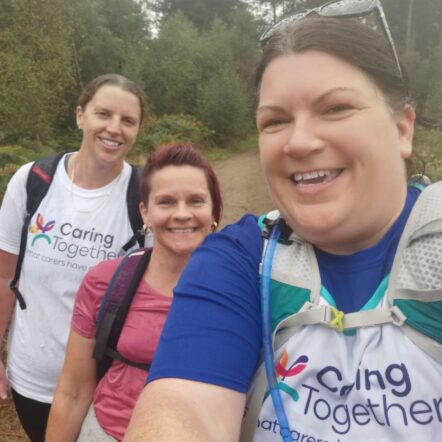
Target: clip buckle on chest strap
{"x":337,"y":321}
{"x":365,"y":318}
{"x":331,"y":317}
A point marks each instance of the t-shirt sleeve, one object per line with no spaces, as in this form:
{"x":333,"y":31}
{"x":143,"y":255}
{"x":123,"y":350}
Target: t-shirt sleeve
{"x":212,"y":333}
{"x":13,"y":211}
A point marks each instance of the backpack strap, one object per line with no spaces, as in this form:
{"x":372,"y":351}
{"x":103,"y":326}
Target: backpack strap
{"x":37,"y":185}
{"x":133,"y":201}
{"x":114,"y":308}
{"x":415,"y":285}
{"x":406,"y":305}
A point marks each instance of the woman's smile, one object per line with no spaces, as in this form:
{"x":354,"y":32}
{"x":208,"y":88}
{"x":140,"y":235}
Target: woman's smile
{"x":315,"y":177}
{"x":330,"y":147}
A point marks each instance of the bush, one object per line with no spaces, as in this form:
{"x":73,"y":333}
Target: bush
{"x":225,"y":106}
{"x":168,"y":129}
{"x":428,"y":147}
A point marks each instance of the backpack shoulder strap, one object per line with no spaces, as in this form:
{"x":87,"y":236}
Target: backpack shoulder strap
{"x":267,"y":222}
{"x":415,"y":285}
{"x":37,"y":185}
{"x":114,"y":308}
{"x":39,"y":180}
{"x":133,"y":201}
{"x":294,"y":277}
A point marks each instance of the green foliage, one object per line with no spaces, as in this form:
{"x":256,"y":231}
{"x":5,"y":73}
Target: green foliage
{"x":243,"y":39}
{"x":169,"y":129}
{"x":110,"y":36}
{"x":216,"y":50}
{"x":234,"y":45}
{"x":172,"y":73}
{"x":418,"y":71}
{"x":426,"y":82}
{"x":36,"y":67}
{"x":207,"y":73}
{"x":199,"y":59}
{"x":11,"y":158}
{"x":428,"y":147}
{"x":225,"y":106}
{"x":433,"y":103}
{"x":200,"y":12}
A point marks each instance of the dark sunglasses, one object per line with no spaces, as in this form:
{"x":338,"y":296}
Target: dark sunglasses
{"x":339,"y":8}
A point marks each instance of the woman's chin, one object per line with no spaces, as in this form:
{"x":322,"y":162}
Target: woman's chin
{"x":313,"y":222}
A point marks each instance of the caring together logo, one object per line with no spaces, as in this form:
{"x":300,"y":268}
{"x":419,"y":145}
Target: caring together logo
{"x":346,"y":403}
{"x":69,"y":241}
{"x":283,"y":372}
{"x":42,"y":228}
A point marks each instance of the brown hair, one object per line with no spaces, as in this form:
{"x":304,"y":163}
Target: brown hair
{"x":124,"y":83}
{"x":182,"y":155}
{"x":348,"y":39}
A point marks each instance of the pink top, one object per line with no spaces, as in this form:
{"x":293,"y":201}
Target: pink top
{"x":116,"y":394}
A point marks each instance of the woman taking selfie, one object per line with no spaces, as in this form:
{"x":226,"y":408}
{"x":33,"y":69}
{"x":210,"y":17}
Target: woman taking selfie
{"x":339,"y":288}
{"x":181,"y":204}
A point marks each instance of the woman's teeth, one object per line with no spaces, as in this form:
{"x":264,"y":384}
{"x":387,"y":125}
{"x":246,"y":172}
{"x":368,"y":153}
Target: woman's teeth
{"x":110,"y":143}
{"x":315,"y":177}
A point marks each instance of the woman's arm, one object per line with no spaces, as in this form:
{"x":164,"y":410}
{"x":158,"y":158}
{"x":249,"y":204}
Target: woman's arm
{"x":8,"y":261}
{"x":74,"y":391}
{"x":186,"y":411}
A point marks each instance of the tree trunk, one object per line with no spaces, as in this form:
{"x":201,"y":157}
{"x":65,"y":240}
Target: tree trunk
{"x":409,"y":41}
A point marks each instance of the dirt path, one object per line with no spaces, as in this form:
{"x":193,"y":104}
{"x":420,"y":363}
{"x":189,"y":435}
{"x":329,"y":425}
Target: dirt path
{"x":243,"y":186}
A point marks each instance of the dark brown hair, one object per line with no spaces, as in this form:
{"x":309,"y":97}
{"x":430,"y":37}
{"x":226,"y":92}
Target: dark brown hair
{"x":348,"y":39}
{"x":182,"y":155}
{"x":124,"y":83}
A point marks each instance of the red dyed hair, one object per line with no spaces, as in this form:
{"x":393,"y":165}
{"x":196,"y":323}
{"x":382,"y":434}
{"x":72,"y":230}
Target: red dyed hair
{"x":182,"y":155}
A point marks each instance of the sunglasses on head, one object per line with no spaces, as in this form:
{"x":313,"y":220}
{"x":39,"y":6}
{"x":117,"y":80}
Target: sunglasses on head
{"x":339,"y":8}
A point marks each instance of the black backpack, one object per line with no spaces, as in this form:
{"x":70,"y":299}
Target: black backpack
{"x":37,"y":185}
{"x":114,"y":309}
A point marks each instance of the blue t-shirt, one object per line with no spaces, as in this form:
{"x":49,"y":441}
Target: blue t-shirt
{"x":213,"y":331}
{"x":352,"y":280}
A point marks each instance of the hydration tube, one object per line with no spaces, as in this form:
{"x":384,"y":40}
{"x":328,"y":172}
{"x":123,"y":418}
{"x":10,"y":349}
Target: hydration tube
{"x":267,"y":338}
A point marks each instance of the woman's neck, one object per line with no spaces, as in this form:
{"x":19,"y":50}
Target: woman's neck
{"x":163,"y":272}
{"x":87,"y":174}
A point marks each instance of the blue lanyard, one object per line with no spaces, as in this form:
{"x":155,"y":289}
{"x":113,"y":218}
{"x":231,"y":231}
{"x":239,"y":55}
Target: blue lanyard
{"x":267,"y":338}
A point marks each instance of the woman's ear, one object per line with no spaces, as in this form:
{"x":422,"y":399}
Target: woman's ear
{"x":79,"y":117}
{"x":405,"y":125}
{"x":143,"y":213}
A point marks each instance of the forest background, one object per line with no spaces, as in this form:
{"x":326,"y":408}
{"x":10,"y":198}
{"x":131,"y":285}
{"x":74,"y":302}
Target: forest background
{"x":195,"y":60}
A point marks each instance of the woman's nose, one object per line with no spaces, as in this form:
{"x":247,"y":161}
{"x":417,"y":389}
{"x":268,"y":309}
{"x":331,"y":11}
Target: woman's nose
{"x":114,"y":126}
{"x":182,"y":211}
{"x":303,"y":139}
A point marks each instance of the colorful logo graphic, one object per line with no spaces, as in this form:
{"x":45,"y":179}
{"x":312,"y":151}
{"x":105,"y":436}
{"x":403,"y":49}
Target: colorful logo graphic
{"x":281,"y":370}
{"x":42,"y":228}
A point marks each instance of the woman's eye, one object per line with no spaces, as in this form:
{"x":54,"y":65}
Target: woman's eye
{"x":129,"y":121}
{"x":337,"y":108}
{"x":197,"y":201}
{"x":272,"y":124}
{"x":164,"y":202}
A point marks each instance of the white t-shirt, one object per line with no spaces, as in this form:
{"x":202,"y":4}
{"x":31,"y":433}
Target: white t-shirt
{"x":72,"y":230}
{"x":388,"y":390}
